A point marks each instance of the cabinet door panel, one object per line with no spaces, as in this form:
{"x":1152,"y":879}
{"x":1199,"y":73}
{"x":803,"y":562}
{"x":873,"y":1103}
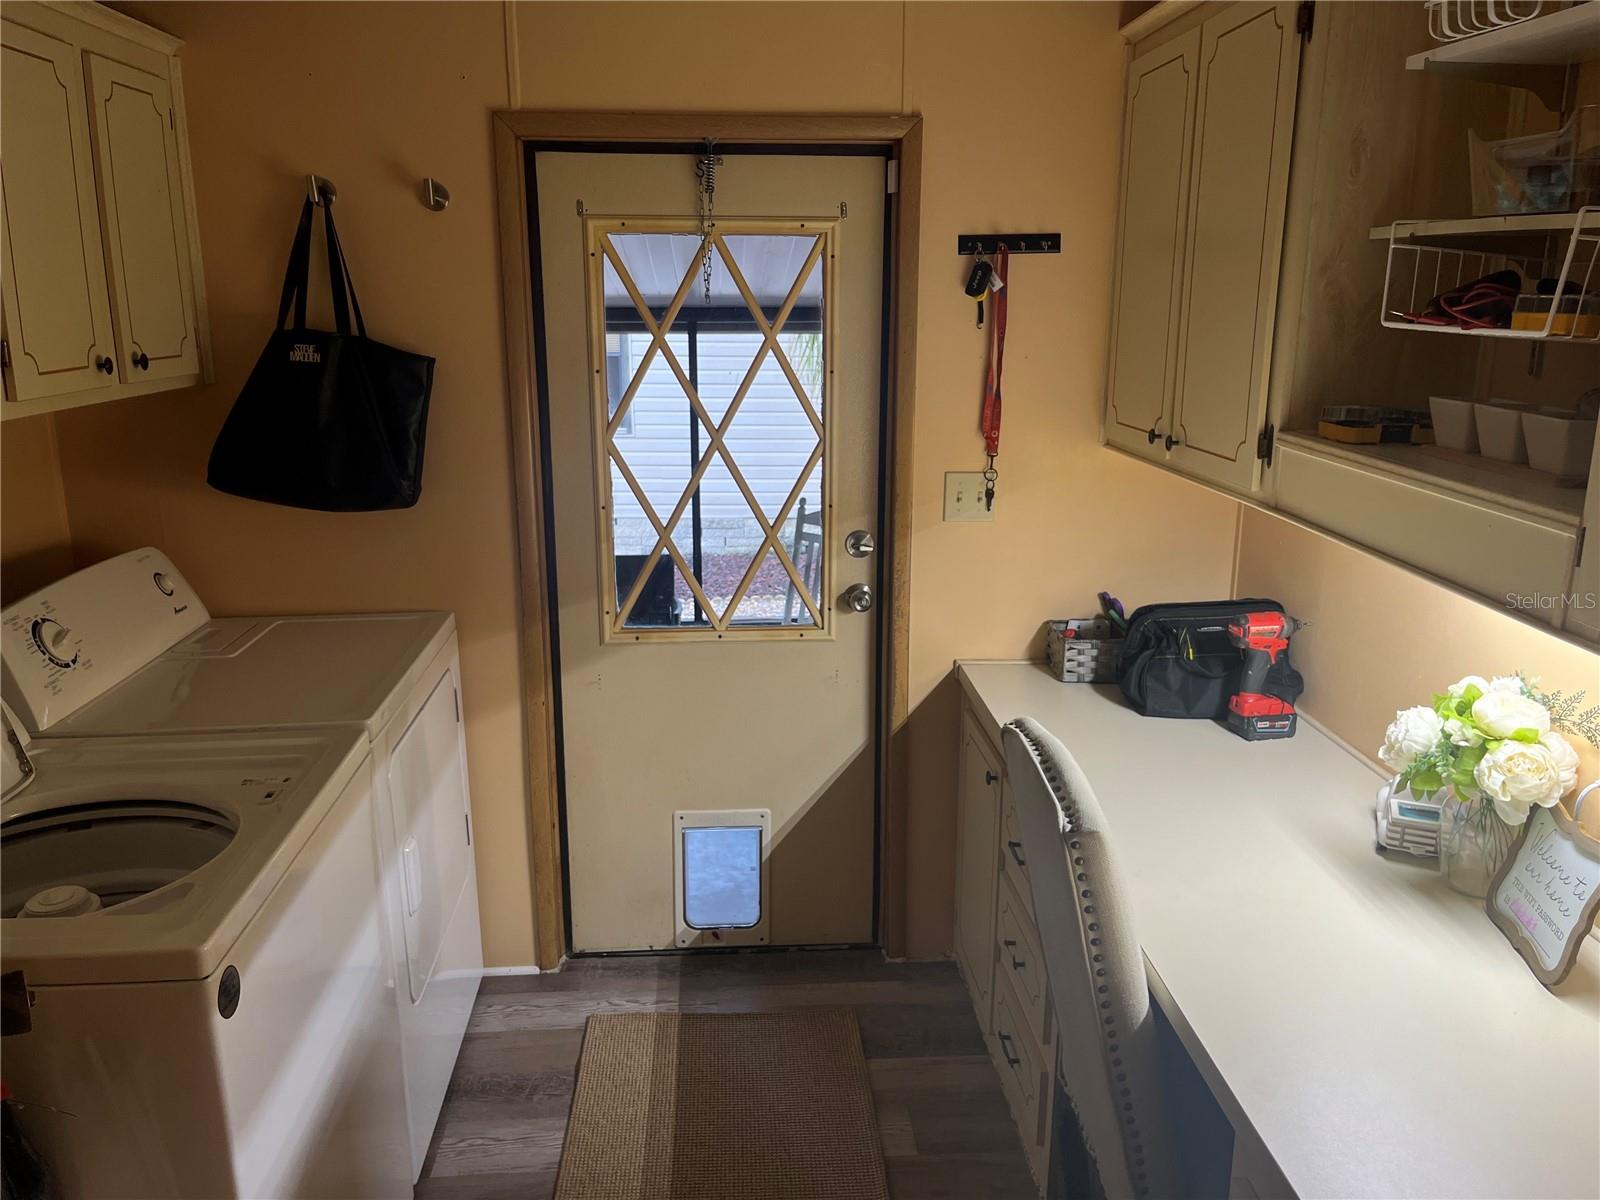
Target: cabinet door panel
{"x":977,"y":864}
{"x":1249,"y":65}
{"x":1155,"y":173}
{"x":58,"y":317}
{"x":146,"y":227}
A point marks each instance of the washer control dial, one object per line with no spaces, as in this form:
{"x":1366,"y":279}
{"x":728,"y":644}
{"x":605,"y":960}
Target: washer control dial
{"x":56,"y":642}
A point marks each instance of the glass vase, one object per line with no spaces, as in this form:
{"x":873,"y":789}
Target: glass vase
{"x":1473,"y":842}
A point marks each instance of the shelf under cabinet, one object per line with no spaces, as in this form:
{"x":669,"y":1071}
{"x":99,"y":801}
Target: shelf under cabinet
{"x":1510,"y":486}
{"x":1555,"y":39}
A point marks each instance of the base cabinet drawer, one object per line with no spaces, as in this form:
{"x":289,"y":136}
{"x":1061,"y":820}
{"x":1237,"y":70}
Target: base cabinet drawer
{"x":1025,"y":1075}
{"x":1022,"y":962}
{"x":1013,"y":859}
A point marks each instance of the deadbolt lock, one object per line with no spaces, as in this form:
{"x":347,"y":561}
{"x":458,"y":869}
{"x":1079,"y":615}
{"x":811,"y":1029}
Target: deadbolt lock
{"x":858,"y":543}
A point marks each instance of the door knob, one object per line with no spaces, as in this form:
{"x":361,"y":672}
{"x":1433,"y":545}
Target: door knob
{"x":142,"y":361}
{"x":858,"y":597}
{"x":858,"y":543}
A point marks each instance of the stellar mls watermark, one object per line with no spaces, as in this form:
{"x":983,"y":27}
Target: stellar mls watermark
{"x":1546,"y":601}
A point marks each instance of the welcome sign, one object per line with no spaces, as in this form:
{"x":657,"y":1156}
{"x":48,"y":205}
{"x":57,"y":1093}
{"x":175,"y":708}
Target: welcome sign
{"x":1545,"y":896}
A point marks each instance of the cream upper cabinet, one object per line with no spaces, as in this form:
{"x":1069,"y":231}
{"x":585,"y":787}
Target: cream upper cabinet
{"x":1151,"y":224}
{"x":142,"y":210}
{"x":58,"y":314}
{"x":103,"y":292}
{"x":1207,"y":129}
{"x":1249,"y":65}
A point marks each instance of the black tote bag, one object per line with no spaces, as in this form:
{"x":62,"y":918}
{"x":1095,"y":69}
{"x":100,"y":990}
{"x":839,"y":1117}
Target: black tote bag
{"x":329,"y":421}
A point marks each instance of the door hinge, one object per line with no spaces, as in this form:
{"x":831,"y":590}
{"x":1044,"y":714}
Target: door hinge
{"x":892,"y":177}
{"x":1264,"y":444}
{"x":844,"y":210}
{"x":1305,"y":18}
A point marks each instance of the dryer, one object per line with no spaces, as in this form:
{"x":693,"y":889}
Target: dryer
{"x":195,"y":923}
{"x":126,"y":648}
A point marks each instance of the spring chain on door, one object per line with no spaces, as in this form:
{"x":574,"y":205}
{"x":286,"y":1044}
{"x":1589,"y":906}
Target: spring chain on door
{"x":705,"y":169}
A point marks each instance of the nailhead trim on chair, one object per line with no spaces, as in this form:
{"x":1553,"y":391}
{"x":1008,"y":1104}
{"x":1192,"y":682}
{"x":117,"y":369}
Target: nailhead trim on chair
{"x":1132,"y":1150}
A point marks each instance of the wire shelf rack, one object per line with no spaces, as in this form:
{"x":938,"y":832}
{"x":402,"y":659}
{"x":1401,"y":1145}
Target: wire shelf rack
{"x":1452,"y":20}
{"x":1426,"y":264}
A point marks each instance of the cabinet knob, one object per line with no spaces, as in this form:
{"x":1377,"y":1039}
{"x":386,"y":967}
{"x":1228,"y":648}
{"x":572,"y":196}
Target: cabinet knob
{"x":142,"y":361}
{"x":991,"y":778}
{"x":103,"y":364}
{"x":1172,"y":441}
{"x":1152,"y":435}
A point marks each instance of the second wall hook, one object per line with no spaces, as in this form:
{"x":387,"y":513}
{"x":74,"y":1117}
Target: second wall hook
{"x":435,"y":195}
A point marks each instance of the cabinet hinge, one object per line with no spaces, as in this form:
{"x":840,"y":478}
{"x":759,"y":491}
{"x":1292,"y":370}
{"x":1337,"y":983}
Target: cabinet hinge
{"x":1305,"y":18}
{"x":5,"y":353}
{"x":172,"y":121}
{"x":892,"y":178}
{"x":1264,"y":442}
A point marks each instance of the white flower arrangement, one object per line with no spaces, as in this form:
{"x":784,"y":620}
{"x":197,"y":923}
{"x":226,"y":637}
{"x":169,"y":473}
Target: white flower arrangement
{"x":1488,"y":739}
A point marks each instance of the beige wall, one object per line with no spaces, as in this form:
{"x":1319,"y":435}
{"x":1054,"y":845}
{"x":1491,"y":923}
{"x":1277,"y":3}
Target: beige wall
{"x":376,"y":96}
{"x":35,"y":545}
{"x":1385,"y":638}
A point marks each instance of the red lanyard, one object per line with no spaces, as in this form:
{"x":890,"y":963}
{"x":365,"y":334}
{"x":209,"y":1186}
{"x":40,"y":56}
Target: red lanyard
{"x":990,"y":419}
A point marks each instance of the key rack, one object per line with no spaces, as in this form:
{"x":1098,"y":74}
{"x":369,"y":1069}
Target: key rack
{"x":1015,"y":243}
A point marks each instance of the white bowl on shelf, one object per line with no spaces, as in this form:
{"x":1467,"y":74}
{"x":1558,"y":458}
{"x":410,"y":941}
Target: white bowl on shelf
{"x":1558,"y":441}
{"x":1454,"y":427}
{"x":1500,"y":431}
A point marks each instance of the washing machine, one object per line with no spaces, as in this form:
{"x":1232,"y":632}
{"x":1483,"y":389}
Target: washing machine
{"x":126,"y":648}
{"x":193,"y":924}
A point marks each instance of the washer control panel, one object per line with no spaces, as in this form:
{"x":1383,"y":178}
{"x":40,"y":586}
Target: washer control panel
{"x":69,"y":643}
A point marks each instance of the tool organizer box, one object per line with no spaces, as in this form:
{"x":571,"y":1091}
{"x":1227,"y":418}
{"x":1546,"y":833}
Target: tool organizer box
{"x":1088,"y":655}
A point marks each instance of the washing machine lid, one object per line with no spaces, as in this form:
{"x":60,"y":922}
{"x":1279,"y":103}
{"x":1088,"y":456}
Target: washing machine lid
{"x":184,"y":837}
{"x":272,"y":672}
{"x":71,"y":642}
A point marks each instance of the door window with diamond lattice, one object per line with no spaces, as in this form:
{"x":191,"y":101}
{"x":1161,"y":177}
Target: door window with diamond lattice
{"x":711,"y":357}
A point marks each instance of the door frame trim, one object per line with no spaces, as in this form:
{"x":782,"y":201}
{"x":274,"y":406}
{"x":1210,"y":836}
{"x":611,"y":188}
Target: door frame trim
{"x":512,"y":129}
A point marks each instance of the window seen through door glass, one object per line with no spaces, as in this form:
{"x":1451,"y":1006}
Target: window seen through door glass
{"x":715,"y":563}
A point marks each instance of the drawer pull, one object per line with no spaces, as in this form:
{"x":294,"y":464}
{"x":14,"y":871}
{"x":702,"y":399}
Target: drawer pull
{"x":1016,"y":852}
{"x":1005,"y":1048}
{"x":991,"y":778}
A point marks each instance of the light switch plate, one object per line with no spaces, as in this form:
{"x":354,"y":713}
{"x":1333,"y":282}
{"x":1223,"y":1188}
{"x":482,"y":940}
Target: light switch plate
{"x":963,"y":497}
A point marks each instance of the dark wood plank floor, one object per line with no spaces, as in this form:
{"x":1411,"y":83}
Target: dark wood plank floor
{"x":947,"y":1134}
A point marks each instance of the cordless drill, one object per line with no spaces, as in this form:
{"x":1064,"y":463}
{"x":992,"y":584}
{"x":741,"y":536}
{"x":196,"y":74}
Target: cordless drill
{"x":1252,"y":714}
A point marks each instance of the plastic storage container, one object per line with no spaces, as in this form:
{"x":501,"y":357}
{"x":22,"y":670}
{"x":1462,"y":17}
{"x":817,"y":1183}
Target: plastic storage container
{"x":1454,"y":426}
{"x":1576,"y":316}
{"x":1541,"y":172}
{"x":1500,"y":431}
{"x":1559,"y":442}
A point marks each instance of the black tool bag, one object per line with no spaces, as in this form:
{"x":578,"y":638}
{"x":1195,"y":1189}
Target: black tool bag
{"x":331,"y":421}
{"x":1178,"y":661}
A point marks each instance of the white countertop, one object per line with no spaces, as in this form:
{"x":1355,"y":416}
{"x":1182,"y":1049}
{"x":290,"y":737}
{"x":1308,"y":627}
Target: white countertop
{"x":1381,"y":1037}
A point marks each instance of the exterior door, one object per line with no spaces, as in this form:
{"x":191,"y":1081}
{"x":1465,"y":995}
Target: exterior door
{"x":713,"y":412}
